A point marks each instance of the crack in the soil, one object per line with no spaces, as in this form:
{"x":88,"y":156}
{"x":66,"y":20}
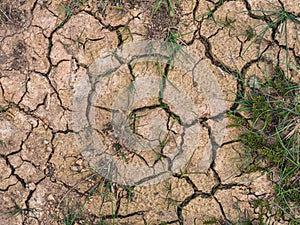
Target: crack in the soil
{"x":112,"y":216}
{"x":198,"y":193}
{"x":13,"y":169}
{"x":211,"y":57}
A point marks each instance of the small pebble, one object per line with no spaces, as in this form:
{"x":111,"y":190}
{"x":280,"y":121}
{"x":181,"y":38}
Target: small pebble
{"x":50,"y":198}
{"x":31,"y":186}
{"x":74,"y":168}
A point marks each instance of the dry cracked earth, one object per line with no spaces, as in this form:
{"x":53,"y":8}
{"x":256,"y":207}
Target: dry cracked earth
{"x":51,"y":50}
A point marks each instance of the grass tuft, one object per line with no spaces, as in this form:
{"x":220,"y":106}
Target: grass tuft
{"x":270,"y":122}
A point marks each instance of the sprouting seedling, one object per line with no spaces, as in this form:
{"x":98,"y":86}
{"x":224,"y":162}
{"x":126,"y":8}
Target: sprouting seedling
{"x":67,"y":10}
{"x":173,"y":45}
{"x":163,"y":141}
{"x":176,"y":118}
{"x":173,"y":202}
{"x":250,"y":33}
{"x":169,"y":4}
{"x":131,"y":87}
{"x":117,"y":57}
{"x":210,"y":15}
{"x":79,"y":40}
{"x":168,"y":186}
{"x":2,"y":143}
{"x":133,"y":117}
{"x":130,"y":193}
{"x":174,"y":40}
{"x":117,"y":6}
{"x":18,"y":210}
{"x":126,"y":28}
{"x":4,"y":108}
{"x":72,"y":214}
{"x":156,"y":7}
{"x":228,"y":22}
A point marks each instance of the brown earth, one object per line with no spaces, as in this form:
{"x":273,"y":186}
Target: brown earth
{"x":48,"y":54}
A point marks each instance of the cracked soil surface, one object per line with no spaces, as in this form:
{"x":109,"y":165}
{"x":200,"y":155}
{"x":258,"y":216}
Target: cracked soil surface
{"x":46,"y":48}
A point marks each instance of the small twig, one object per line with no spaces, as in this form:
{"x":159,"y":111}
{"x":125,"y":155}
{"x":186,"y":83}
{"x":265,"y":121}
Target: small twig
{"x":7,"y":17}
{"x":72,"y":188}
